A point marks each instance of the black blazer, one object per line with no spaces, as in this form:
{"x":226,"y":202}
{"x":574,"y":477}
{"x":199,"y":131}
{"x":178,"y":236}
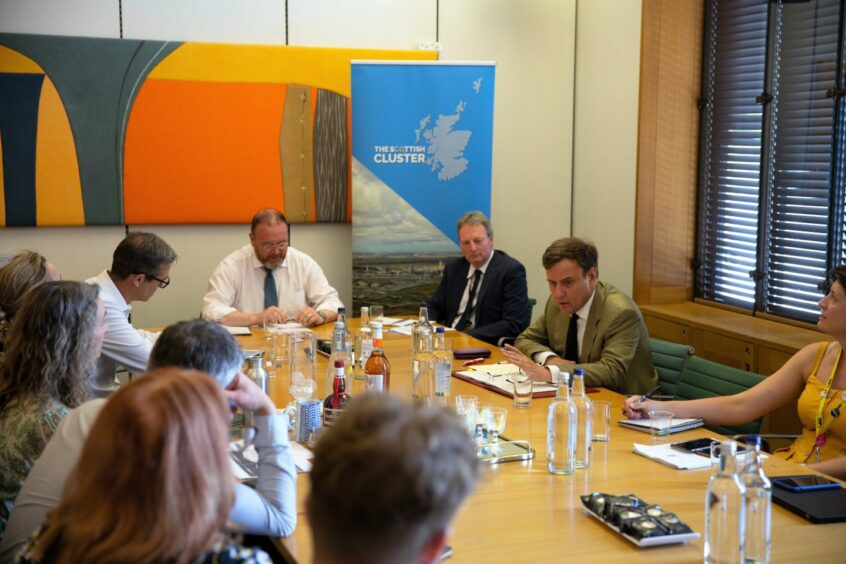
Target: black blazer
{"x":501,"y":306}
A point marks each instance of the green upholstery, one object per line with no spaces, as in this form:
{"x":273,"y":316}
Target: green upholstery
{"x":532,"y":302}
{"x":706,"y":379}
{"x":669,"y":360}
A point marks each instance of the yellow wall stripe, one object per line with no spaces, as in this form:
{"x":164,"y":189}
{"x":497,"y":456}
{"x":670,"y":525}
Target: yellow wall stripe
{"x":12,"y":61}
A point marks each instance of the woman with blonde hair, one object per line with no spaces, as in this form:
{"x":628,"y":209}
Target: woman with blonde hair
{"x":23,"y":272}
{"x":153,"y":482}
{"x":51,"y":353}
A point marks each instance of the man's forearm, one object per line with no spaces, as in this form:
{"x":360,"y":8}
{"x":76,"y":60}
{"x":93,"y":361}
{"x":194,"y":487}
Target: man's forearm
{"x":240,"y":319}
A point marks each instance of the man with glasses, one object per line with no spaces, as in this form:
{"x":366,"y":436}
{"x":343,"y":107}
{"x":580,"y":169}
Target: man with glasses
{"x":140,"y":266}
{"x":269,"y":279}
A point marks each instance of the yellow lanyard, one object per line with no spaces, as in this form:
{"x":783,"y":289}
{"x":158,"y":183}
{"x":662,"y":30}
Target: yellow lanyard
{"x":821,"y":429}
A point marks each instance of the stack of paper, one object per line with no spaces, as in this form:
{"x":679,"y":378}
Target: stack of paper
{"x":671,"y":457}
{"x":676,"y":426}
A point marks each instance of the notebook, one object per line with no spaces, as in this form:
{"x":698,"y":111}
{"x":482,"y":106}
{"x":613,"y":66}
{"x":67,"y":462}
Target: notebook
{"x":677,"y":425}
{"x":822,"y":506}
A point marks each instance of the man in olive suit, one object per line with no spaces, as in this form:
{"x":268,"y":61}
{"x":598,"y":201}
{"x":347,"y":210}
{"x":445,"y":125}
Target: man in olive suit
{"x":586,"y":324}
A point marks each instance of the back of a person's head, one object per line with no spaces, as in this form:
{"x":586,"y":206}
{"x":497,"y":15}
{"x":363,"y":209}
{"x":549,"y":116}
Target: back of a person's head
{"x":21,"y":273}
{"x":141,"y":253}
{"x":387,"y":477}
{"x":198,"y":345}
{"x":50,"y":351}
{"x":152,"y":483}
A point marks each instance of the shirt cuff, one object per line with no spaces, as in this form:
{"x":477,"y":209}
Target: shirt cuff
{"x":541,"y":357}
{"x":271,"y":430}
{"x":554,"y":373}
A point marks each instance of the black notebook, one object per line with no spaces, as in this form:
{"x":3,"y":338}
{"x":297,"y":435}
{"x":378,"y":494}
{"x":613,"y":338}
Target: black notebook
{"x":821,"y":506}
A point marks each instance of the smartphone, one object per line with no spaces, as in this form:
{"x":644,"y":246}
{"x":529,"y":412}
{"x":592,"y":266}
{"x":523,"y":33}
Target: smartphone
{"x":702,"y":447}
{"x":447,"y":552}
{"x":806,"y":483}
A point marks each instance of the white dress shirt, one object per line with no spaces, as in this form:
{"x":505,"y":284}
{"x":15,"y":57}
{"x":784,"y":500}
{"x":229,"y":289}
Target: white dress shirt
{"x":237,"y":284}
{"x":466,"y":295}
{"x":269,"y":509}
{"x":123,"y":344}
{"x":581,"y":324}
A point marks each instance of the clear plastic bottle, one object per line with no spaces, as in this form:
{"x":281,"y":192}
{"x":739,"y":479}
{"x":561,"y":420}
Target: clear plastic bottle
{"x":443,"y":366}
{"x":423,"y":363}
{"x":758,"y":504}
{"x":725,"y":511}
{"x":348,"y":340}
{"x":363,"y":342}
{"x":584,"y":407}
{"x":421,"y":328}
{"x":561,"y":430}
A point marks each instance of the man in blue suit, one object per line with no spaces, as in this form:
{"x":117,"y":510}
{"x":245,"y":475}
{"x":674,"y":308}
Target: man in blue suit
{"x":483,"y":293}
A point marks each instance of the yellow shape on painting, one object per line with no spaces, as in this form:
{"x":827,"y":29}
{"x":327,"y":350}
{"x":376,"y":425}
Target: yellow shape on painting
{"x":58,"y":192}
{"x":12,"y":61}
{"x":322,"y":67}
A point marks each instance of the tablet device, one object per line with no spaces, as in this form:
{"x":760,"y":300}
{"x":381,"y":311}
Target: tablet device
{"x":817,"y":506}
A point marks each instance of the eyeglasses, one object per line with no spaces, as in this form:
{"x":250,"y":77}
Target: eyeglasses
{"x":163,"y":282}
{"x":281,"y":245}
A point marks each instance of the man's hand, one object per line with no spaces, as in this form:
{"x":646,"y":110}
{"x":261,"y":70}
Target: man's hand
{"x":244,"y":393}
{"x":273,"y":314}
{"x":309,"y":317}
{"x":515,"y":356}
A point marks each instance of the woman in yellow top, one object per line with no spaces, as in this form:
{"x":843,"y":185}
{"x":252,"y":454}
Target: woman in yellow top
{"x":815,"y":375}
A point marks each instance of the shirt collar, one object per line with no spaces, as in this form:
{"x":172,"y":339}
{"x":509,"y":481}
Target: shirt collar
{"x":483,"y":268}
{"x":107,"y":286}
{"x":584,"y":311}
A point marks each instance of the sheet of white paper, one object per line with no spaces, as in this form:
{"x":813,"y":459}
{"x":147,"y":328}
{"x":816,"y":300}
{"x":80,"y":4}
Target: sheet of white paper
{"x":669,"y":456}
{"x":503,"y":383}
{"x":401,"y":330}
{"x":237,"y":330}
{"x":496,"y":369}
{"x":302,"y":457}
{"x":392,"y":320}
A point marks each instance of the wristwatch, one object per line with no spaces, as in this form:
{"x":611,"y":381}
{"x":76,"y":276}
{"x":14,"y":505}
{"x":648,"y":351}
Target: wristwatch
{"x":322,"y":315}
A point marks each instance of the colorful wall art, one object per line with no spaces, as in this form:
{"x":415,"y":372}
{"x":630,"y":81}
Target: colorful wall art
{"x":113,"y":131}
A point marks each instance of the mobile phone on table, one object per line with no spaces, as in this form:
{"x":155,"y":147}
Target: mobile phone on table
{"x":807,"y":483}
{"x":702,"y":447}
{"x":446,"y":553}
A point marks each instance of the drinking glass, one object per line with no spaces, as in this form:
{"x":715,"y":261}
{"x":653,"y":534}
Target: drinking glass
{"x":601,"y":421}
{"x":498,"y":418}
{"x":483,"y":422}
{"x":661,"y":423}
{"x":522,"y":389}
{"x":377,"y":313}
{"x":465,"y":406}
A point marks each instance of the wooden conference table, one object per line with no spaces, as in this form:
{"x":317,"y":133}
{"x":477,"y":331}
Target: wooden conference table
{"x":520,"y":512}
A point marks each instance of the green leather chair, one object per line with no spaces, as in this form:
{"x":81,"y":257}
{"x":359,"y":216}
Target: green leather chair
{"x":669,"y":360}
{"x":706,"y":379}
{"x":510,"y":340}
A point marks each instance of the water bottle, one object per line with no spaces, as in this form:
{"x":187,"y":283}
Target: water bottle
{"x":363,"y":342}
{"x":423,"y":365}
{"x":348,"y":341}
{"x":443,"y":366}
{"x":421,"y":328}
{"x":758,"y":505}
{"x":584,"y":407}
{"x":725,"y":510}
{"x":561,"y":430}
{"x":256,"y":373}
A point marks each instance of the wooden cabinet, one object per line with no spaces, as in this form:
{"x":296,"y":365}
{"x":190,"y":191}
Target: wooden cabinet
{"x":724,"y":349}
{"x":667,"y":330}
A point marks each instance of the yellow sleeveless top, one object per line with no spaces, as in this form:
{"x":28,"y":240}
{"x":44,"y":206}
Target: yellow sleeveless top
{"x":802,"y":449}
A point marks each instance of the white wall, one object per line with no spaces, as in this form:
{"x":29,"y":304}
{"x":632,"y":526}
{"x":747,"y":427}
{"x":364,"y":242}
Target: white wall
{"x":605,"y":133}
{"x":551,"y":56}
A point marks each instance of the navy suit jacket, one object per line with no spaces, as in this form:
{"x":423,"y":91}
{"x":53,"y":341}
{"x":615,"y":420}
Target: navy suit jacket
{"x":502,"y":303}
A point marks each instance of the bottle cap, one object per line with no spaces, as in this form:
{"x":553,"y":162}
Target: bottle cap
{"x":579,"y":371}
{"x":440,"y":330}
{"x":342,"y":310}
{"x":339,"y":363}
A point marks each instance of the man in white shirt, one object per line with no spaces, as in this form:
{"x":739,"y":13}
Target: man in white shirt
{"x":140,"y":266}
{"x":269,"y":279}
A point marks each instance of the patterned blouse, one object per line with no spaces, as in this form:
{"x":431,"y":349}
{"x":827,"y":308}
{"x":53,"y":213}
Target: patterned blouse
{"x":25,"y":428}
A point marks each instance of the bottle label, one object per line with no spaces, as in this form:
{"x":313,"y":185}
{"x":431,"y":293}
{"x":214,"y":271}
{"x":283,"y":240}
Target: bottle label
{"x":366,"y":349}
{"x":443,"y":373}
{"x":374,"y":382}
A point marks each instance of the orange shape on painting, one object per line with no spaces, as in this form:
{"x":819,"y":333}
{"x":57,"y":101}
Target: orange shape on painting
{"x":58,"y":192}
{"x":202,"y":152}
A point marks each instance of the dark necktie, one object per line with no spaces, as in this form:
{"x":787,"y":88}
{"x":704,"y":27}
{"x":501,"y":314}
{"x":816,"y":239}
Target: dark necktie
{"x":468,"y":311}
{"x":571,"y":349}
{"x":270,"y":297}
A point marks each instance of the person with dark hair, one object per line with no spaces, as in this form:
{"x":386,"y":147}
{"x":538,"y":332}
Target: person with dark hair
{"x":140,"y":266}
{"x":270,"y":279}
{"x":52,"y":350}
{"x":484,"y":292}
{"x":269,"y":509}
{"x":20,"y":274}
{"x":586,"y":324}
{"x":164,"y":491}
{"x":386,"y":481}
{"x":813,"y":377}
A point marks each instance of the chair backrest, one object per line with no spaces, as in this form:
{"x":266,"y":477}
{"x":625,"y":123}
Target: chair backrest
{"x":706,"y":379}
{"x":531,"y":308}
{"x":669,"y":360}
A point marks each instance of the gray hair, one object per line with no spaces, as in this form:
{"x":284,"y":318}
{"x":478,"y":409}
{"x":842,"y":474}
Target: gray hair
{"x":200,"y":345}
{"x":475,"y":218}
{"x":387,"y":477}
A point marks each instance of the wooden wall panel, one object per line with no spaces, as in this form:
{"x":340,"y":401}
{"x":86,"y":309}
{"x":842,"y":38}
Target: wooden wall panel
{"x":671,"y":53}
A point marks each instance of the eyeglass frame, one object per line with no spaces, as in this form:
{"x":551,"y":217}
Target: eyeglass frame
{"x":163,"y":282}
{"x":281,"y":245}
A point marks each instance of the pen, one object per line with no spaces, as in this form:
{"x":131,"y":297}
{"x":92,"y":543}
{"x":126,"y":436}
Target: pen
{"x":649,"y":394}
{"x":474,"y":361}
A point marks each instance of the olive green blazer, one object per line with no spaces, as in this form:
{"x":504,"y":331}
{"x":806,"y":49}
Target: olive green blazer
{"x":615,"y":351}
